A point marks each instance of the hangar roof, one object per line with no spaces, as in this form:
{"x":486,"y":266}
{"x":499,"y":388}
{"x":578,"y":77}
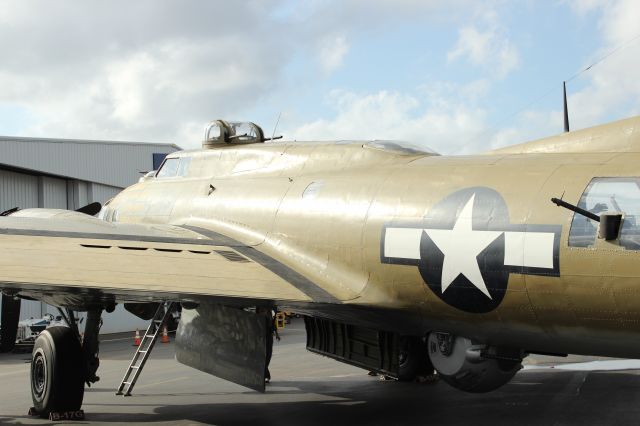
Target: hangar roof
{"x":106,"y":162}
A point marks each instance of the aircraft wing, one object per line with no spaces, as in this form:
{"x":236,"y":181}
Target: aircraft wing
{"x":54,"y":254}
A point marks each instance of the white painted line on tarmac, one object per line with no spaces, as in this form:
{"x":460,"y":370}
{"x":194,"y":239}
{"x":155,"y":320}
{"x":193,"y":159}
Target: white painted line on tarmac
{"x":12,"y":373}
{"x":608,"y":365}
{"x":148,"y":385}
{"x":320,"y":377}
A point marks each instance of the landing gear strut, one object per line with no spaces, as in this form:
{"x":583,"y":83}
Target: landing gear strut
{"x":90,"y":345}
{"x":413,"y":359}
{"x":9,"y":320}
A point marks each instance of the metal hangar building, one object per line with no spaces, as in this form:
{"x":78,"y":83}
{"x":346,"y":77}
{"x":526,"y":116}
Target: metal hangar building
{"x":69,"y":174}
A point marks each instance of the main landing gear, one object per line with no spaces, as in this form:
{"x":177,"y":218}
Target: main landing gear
{"x":57,"y":376}
{"x":61,"y":363}
{"x":413,"y":359}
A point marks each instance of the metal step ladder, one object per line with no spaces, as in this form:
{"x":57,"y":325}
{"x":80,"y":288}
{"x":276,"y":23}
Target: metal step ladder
{"x":144,"y":349}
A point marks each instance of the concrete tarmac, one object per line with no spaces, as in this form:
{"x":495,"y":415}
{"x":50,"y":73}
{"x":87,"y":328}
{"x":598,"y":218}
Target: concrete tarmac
{"x":311,"y":390}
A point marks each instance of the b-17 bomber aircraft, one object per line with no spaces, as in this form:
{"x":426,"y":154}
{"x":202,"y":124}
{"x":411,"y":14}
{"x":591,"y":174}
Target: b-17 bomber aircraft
{"x":401,"y":261}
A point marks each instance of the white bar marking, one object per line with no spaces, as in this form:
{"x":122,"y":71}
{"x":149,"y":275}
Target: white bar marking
{"x":529,"y":249}
{"x":403,"y":243}
{"x":525,"y":249}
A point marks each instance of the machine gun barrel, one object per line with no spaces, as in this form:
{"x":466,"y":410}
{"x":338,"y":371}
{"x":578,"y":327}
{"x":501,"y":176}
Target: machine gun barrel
{"x":576,"y":209}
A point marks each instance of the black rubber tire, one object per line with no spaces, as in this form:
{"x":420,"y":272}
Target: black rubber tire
{"x":57,"y":372}
{"x":414,"y":360}
{"x":485,"y":380}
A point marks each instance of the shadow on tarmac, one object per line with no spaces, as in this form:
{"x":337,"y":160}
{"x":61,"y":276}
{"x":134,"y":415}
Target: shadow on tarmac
{"x":533,"y":398}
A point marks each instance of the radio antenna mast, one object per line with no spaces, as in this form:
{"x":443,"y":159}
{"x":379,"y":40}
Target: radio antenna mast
{"x":566,"y":110}
{"x":273,"y":135}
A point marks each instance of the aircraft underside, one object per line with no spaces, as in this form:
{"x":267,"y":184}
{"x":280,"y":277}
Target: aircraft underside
{"x":229,"y":342}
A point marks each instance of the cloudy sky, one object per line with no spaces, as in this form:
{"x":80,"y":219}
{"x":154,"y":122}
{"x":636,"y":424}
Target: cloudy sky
{"x":455,"y":75}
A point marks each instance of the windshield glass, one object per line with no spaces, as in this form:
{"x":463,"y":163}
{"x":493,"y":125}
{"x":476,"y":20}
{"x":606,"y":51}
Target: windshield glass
{"x":169,"y":168}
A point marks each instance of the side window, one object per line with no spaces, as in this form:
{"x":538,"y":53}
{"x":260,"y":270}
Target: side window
{"x":611,"y":195}
{"x":174,"y":167}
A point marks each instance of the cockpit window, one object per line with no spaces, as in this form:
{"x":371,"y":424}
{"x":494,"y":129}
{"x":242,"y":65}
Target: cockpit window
{"x":174,"y":167}
{"x":169,"y":168}
{"x":611,"y":195}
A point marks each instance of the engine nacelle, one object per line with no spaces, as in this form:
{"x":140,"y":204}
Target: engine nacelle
{"x":472,"y":367}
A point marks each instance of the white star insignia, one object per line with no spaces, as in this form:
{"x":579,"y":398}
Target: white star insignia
{"x":461,"y":246}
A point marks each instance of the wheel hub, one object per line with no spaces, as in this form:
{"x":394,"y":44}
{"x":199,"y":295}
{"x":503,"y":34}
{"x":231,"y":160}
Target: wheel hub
{"x":445,"y":343}
{"x":38,"y":374}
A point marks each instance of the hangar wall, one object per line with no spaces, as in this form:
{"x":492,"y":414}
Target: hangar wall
{"x":108,"y":162}
{"x":18,"y":189}
{"x":69,"y":174}
{"x":54,"y":192}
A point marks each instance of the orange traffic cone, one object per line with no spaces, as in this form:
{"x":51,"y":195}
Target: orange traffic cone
{"x":136,"y":339}
{"x":165,"y":335}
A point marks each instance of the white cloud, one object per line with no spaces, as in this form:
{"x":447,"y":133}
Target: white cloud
{"x":488,"y":47}
{"x":148,"y":71}
{"x":612,"y":88}
{"x":607,"y":91}
{"x":582,"y":7}
{"x":151,"y":94}
{"x":332,"y":53}
{"x":92,"y":71}
{"x":447,"y":123}
{"x":159,"y":72}
{"x":620,"y":20}
{"x":456,"y":124}
{"x":533,"y":124}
